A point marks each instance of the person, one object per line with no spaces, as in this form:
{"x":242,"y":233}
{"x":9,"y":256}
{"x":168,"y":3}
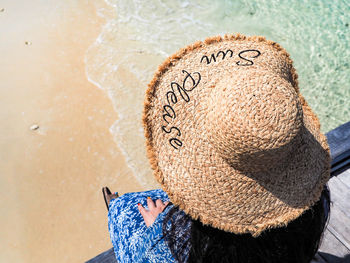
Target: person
{"x":240,"y":157}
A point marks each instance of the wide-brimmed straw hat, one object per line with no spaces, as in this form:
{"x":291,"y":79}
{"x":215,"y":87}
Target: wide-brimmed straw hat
{"x":231,"y":139}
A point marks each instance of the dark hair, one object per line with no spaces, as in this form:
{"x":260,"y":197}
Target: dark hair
{"x":191,"y":241}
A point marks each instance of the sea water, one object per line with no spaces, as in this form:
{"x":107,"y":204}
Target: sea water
{"x":141,"y":34}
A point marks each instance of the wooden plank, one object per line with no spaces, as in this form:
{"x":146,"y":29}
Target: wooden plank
{"x":340,"y":194}
{"x":345,"y":178}
{"x":328,"y":258}
{"x":105,"y":257}
{"x":340,"y":167}
{"x":331,"y":248}
{"x":339,"y":142}
{"x":335,"y":246}
{"x":339,"y":225}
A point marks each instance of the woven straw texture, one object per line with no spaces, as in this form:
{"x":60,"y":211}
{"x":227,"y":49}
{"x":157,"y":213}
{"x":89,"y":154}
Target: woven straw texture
{"x":231,"y":139}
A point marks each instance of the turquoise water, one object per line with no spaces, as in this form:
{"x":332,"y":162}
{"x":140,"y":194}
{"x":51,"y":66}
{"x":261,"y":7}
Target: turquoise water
{"x":142,"y":34}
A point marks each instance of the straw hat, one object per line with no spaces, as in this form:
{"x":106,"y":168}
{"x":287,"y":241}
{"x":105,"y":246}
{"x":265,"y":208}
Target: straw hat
{"x":231,"y":139}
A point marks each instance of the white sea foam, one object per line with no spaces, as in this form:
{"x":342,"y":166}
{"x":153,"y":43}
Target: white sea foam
{"x":142,"y":34}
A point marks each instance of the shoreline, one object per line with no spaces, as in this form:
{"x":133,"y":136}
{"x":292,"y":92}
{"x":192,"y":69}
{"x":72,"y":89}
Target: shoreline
{"x":57,"y":151}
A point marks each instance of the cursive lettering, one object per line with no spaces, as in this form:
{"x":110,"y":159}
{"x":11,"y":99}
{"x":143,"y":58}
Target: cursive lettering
{"x":229,"y":53}
{"x":209,"y":60}
{"x":166,"y":108}
{"x":190,"y":81}
{"x":224,"y":53}
{"x":250,"y":61}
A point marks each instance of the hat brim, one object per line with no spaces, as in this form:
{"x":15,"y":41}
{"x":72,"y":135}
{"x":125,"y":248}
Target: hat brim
{"x":197,"y":178}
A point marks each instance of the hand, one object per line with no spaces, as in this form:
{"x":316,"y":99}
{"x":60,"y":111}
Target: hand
{"x":150,"y":214}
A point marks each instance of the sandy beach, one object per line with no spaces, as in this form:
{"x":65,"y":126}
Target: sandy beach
{"x":56,"y":148}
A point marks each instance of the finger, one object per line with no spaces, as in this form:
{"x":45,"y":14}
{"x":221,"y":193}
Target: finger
{"x":159,"y":203}
{"x":150,"y":203}
{"x":142,"y":210}
{"x":147,"y":217}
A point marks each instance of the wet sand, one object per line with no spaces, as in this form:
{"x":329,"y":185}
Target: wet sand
{"x":56,"y":149}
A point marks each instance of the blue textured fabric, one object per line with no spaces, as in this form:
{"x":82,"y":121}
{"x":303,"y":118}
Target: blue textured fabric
{"x":133,"y":241}
{"x":131,"y":238}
